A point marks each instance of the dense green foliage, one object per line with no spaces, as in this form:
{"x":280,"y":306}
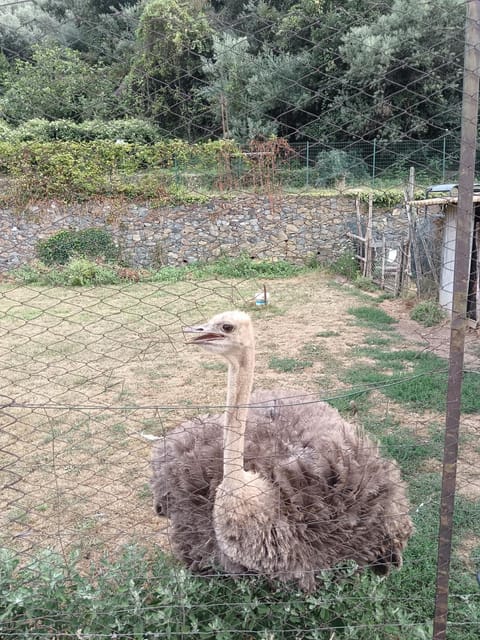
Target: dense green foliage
{"x":57,"y":83}
{"x":165,"y":70}
{"x":71,"y":170}
{"x":135,"y":596}
{"x":43,"y":130}
{"x":302,"y":69}
{"x":85,"y":243}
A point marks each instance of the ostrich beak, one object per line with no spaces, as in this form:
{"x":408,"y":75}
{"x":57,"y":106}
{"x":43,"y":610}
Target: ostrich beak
{"x":204,"y":334}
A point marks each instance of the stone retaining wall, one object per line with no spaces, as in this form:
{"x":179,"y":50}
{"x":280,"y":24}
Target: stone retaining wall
{"x":285,"y":226}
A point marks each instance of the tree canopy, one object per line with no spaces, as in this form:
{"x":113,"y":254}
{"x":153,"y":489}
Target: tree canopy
{"x":302,"y":69}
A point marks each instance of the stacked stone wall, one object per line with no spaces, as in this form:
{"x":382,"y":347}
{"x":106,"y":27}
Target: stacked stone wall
{"x":291,"y":227}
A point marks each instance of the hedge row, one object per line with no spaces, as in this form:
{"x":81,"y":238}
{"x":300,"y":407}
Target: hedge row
{"x":76,"y":170}
{"x":42,"y":130}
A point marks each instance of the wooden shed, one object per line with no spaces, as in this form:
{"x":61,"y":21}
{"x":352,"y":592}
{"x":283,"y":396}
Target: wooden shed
{"x":445,"y":197}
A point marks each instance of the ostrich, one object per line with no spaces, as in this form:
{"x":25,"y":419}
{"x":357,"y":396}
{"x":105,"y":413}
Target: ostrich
{"x":275,"y":486}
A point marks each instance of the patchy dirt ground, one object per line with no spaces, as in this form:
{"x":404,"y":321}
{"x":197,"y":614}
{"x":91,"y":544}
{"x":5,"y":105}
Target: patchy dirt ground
{"x":91,"y":375}
{"x":435,"y":339}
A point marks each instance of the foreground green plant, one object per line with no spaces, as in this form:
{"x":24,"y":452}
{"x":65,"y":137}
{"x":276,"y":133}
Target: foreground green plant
{"x":78,"y":272}
{"x":135,"y":596}
{"x":346,"y":265}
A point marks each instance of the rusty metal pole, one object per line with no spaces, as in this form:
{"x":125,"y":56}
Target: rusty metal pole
{"x":463,"y":239}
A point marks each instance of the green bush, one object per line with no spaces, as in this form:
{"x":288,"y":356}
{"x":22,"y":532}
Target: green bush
{"x":35,"y":130}
{"x":72,"y":171}
{"x":131,"y":130}
{"x":80,"y":272}
{"x":429,"y":313}
{"x":139,"y":593}
{"x":346,"y":265}
{"x":86,"y":243}
{"x":67,"y":170}
{"x":6,"y":132}
{"x":365,"y":284}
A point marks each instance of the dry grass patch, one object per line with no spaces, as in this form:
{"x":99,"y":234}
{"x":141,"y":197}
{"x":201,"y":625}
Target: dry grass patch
{"x":88,"y":372}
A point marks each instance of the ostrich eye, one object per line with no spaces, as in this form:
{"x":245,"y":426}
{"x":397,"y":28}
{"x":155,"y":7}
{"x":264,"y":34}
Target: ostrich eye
{"x":227,"y":328}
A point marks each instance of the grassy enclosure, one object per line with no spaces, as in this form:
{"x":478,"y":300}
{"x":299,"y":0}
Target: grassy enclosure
{"x":89,"y":374}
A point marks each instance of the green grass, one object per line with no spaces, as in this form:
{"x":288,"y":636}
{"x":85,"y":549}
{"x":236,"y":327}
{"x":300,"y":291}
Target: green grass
{"x":214,"y":366}
{"x":380,"y":340}
{"x":327,"y":334}
{"x":418,"y":379}
{"x":372,"y":317}
{"x":314,"y":351}
{"x":349,"y":402}
{"x":366,"y":284}
{"x":288,"y":365}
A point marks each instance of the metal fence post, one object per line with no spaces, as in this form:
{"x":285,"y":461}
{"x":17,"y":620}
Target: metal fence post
{"x":459,"y":310}
{"x":374,"y":159}
{"x":444,"y":157}
{"x":307,"y":154}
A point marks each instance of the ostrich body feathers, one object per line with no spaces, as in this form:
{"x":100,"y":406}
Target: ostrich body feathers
{"x":317,"y":492}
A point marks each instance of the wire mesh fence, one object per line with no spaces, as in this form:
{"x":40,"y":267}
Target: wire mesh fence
{"x":163,"y":162}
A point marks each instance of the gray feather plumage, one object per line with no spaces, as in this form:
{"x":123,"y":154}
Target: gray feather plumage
{"x":334,"y":496}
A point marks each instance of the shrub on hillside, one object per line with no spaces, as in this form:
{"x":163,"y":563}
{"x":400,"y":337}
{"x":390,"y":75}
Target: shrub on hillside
{"x":6,"y":132}
{"x":66,"y":170}
{"x":87,"y":243}
{"x":346,"y":265}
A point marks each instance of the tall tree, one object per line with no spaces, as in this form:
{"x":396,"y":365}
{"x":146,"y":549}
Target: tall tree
{"x":167,"y":70}
{"x":103,"y":30}
{"x":22,"y":26}
{"x":403,"y":72}
{"x":251,"y":95}
{"x":56,"y":83}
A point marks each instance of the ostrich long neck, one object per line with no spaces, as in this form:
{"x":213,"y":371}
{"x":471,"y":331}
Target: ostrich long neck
{"x":240,"y":381}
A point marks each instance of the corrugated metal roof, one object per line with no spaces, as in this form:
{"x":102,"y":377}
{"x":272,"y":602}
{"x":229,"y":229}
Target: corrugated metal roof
{"x":428,"y":202}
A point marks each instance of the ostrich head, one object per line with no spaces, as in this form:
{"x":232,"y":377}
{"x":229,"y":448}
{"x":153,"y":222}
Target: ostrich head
{"x":229,"y":334}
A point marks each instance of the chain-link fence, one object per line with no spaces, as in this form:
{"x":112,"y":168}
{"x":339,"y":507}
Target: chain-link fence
{"x":301,"y":162}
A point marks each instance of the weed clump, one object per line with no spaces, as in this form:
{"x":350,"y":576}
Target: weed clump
{"x":429,"y":313}
{"x":68,"y":268}
{"x":346,"y":265}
